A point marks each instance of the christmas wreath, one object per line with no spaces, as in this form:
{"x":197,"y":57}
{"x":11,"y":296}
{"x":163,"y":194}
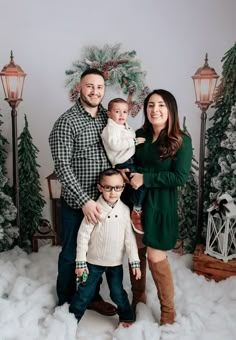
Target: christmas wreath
{"x":119,"y":68}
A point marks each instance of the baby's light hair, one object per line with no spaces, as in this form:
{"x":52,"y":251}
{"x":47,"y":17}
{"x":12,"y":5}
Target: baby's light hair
{"x":116,"y":100}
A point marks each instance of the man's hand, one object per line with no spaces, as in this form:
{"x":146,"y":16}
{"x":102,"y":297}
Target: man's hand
{"x":137,"y":273}
{"x":92,"y":212}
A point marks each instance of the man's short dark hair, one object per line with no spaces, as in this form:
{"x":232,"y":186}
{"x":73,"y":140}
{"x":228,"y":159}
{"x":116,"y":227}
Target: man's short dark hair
{"x":91,"y":71}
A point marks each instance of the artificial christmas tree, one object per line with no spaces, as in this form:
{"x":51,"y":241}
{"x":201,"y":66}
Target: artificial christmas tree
{"x":220,"y":163}
{"x":3,"y":156}
{"x":187,"y":208}
{"x":8,"y":232}
{"x":3,"y":151}
{"x":31,"y":200}
{"x":225,"y":181}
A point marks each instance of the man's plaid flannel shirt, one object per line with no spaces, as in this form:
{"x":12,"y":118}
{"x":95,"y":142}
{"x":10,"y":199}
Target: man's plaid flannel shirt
{"x":78,"y":153}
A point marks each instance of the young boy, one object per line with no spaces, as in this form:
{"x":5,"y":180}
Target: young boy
{"x":119,"y":142}
{"x":101,"y":247}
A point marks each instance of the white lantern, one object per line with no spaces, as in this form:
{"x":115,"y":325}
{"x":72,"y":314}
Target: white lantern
{"x":221,"y":229}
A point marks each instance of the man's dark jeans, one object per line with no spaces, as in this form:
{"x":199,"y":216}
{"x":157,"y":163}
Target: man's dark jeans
{"x":85,"y":292}
{"x":66,"y":279}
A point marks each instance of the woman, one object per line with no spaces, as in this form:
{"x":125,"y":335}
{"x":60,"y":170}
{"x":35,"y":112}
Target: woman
{"x":165,"y":159}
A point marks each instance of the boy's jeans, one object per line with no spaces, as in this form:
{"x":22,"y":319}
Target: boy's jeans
{"x":86,"y":291}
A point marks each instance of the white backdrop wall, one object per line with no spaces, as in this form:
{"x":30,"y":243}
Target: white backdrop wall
{"x":170,"y":37}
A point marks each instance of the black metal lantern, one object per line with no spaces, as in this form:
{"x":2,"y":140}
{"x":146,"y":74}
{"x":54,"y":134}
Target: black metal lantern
{"x":204,"y":79}
{"x":12,"y":77}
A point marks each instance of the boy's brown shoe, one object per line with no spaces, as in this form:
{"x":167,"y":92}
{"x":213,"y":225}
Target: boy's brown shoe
{"x":103,"y":307}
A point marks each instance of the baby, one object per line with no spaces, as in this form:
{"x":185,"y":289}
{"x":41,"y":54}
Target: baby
{"x":119,"y":142}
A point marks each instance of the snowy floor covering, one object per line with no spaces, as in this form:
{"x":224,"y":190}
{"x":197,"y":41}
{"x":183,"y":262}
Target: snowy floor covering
{"x":204,"y":309}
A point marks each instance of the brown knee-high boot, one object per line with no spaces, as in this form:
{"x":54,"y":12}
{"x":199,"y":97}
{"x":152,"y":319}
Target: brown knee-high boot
{"x":162,"y":277}
{"x":138,"y":286}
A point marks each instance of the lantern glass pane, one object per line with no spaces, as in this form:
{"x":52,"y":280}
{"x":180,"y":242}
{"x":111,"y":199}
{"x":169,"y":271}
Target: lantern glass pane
{"x":212,"y":88}
{"x":4,"y":84}
{"x":196,"y":88}
{"x":204,"y":90}
{"x":12,"y":87}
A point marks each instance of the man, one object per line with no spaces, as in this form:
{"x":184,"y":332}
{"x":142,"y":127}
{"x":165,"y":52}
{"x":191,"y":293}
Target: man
{"x":79,"y":158}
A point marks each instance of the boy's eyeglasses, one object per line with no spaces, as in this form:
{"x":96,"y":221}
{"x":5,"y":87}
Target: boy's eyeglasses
{"x":109,"y":188}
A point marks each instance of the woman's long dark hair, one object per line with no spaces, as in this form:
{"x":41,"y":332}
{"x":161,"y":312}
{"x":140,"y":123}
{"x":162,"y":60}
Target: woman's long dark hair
{"x":170,"y":137}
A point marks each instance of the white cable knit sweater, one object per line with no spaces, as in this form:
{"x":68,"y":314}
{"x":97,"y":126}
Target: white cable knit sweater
{"x":105,"y":243}
{"x":118,"y":141}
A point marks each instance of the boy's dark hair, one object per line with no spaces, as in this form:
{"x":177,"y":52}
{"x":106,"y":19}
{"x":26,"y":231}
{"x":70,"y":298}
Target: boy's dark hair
{"x":92,"y":71}
{"x":109,"y":172}
{"x":115,"y":100}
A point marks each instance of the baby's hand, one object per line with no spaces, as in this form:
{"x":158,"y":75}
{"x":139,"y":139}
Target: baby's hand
{"x":141,"y":140}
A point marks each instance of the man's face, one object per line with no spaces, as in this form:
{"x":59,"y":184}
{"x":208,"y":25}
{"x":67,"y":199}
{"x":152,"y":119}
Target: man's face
{"x":91,"y":90}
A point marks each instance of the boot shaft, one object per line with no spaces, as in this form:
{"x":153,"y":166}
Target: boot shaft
{"x":138,"y":287}
{"x":163,"y":280}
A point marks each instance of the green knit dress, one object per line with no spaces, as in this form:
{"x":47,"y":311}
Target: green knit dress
{"x":161,"y":178}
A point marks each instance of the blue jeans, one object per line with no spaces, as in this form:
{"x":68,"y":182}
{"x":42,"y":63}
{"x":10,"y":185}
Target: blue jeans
{"x":85,"y":292}
{"x":66,"y":279}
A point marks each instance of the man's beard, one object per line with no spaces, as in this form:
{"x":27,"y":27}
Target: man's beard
{"x":88,"y":103}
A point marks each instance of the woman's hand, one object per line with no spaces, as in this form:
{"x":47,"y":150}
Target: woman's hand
{"x":136,"y":180}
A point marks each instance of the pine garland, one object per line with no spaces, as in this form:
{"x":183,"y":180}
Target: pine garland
{"x":119,"y":68}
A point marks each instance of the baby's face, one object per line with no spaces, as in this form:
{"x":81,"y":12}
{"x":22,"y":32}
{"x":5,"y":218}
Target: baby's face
{"x":119,"y":113}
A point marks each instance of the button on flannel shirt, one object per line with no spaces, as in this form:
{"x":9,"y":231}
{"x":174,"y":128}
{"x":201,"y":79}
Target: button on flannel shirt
{"x":78,"y":153}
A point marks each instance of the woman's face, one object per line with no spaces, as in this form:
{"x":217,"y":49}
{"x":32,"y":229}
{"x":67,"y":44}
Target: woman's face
{"x":157,"y":112}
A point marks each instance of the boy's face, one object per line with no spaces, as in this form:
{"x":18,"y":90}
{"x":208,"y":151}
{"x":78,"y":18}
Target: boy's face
{"x":115,"y":182}
{"x":119,"y":113}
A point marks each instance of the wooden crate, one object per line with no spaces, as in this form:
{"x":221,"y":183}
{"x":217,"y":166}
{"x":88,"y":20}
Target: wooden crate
{"x":211,"y":267}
